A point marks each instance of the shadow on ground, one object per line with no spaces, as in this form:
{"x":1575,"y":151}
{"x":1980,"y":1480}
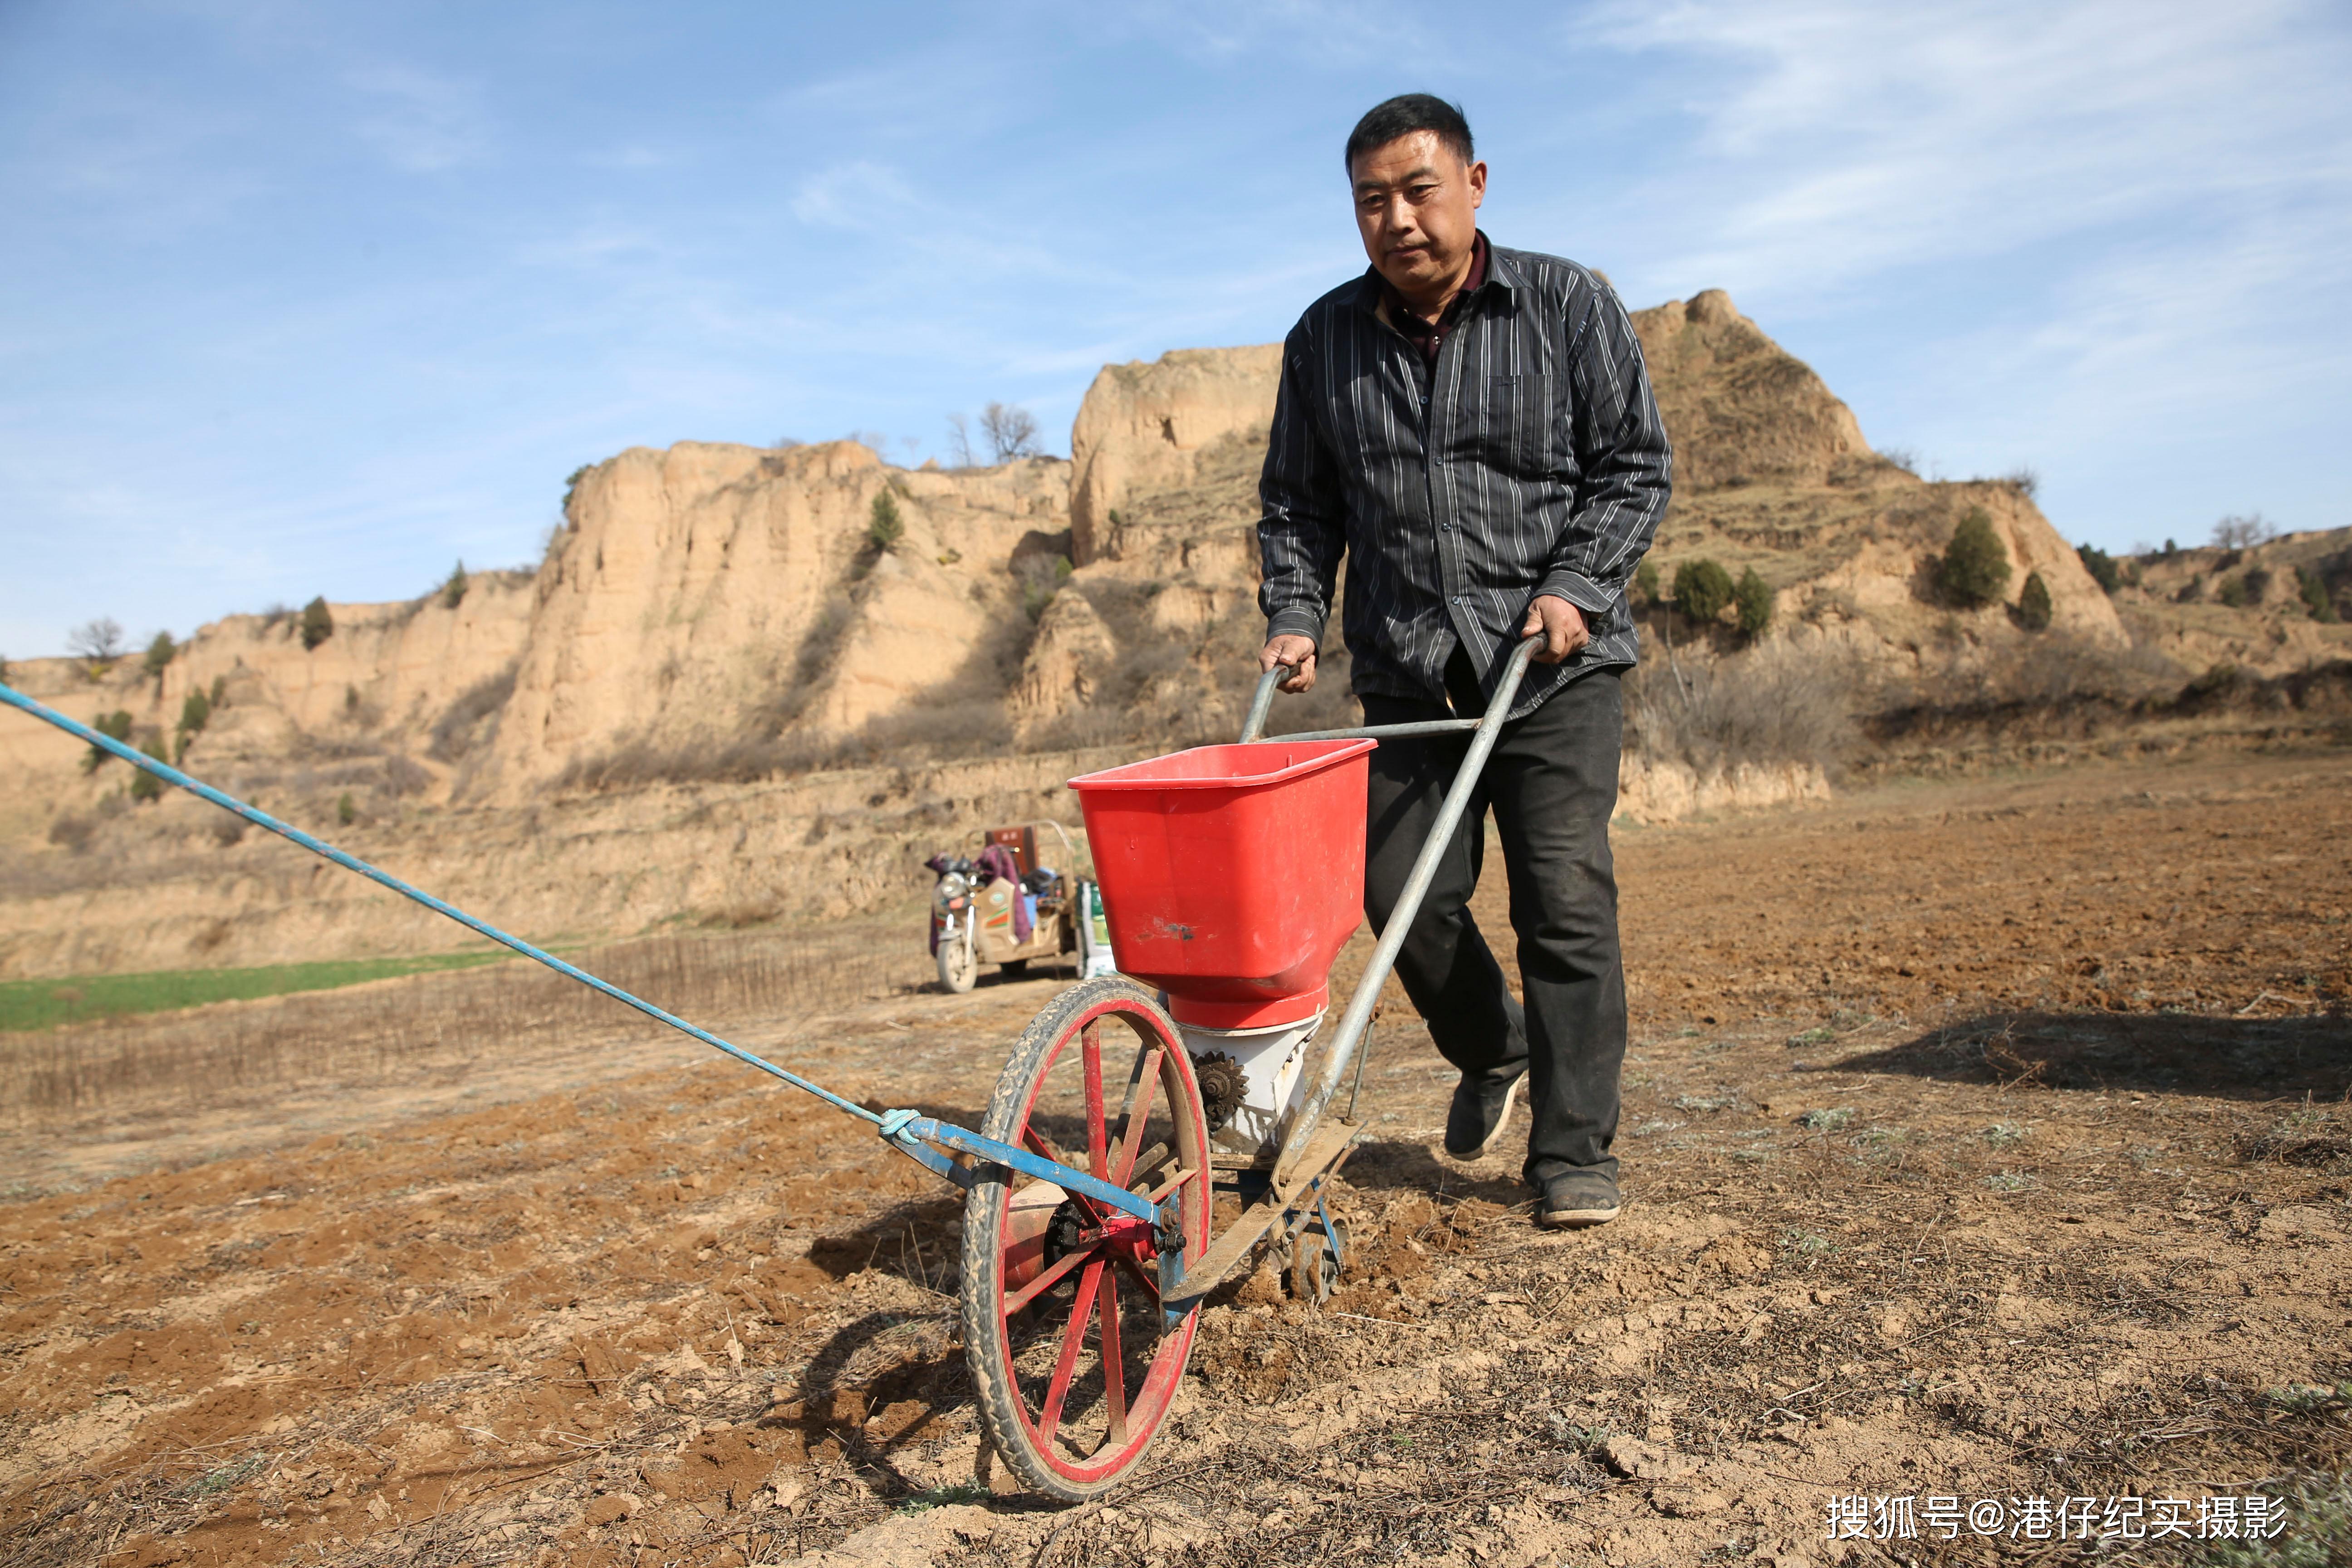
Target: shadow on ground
{"x":1394,"y":1164}
{"x":2173,"y":1052}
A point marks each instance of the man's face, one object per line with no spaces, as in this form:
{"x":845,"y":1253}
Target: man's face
{"x":1417,"y":209}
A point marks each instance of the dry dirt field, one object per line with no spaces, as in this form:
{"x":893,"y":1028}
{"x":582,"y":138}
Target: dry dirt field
{"x":1982,"y":1141}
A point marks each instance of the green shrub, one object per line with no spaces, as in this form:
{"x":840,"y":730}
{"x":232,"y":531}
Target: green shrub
{"x":1753,"y":601}
{"x":2234,"y":593}
{"x":885,"y":528}
{"x":1975,"y":567}
{"x":1702,"y":589}
{"x":453,"y":591}
{"x":196,"y":712}
{"x":2033,"y":604}
{"x":347,"y":810}
{"x":144,"y":785}
{"x":1645,"y":582}
{"x":571,"y":488}
{"x":318,"y":623}
{"x":2101,"y":566}
{"x":2310,"y":585}
{"x":160,"y":653}
{"x":220,"y":691}
{"x":114,"y":726}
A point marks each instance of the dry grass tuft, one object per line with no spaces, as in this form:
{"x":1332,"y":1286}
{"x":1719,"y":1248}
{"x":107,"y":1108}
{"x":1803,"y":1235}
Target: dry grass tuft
{"x":1775,"y":703}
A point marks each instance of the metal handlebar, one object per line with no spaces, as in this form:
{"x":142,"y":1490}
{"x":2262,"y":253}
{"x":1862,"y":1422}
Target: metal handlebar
{"x":1356,"y":1019}
{"x":1254,"y":727}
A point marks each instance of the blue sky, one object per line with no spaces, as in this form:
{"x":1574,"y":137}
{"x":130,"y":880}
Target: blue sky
{"x":301,"y":299}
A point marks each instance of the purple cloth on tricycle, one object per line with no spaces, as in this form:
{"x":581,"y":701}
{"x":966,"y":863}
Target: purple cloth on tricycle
{"x":997,"y":861}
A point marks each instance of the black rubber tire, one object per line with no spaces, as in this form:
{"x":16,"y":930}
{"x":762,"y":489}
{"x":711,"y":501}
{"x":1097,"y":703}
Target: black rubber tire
{"x":958,"y":971}
{"x":989,"y":1348}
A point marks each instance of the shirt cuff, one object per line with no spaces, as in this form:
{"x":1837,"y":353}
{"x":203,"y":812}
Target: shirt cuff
{"x":1296,"y":621}
{"x":1578,"y":589}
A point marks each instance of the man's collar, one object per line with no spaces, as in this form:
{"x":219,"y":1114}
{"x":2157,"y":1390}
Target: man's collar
{"x":1500,"y":273}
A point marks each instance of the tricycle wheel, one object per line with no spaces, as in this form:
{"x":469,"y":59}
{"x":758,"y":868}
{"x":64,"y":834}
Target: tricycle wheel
{"x":1072,"y":1357}
{"x":958,"y":968}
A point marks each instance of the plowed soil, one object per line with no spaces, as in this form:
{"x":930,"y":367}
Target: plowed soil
{"x":1984,"y":1141}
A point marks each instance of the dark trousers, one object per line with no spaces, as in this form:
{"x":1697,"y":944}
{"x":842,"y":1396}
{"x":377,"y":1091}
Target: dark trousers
{"x":1553,"y":786}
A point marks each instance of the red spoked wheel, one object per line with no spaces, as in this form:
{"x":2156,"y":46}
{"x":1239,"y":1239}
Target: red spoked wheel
{"x":1073,"y":1361}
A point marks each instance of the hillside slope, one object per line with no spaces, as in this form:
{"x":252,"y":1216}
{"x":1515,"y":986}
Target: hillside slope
{"x":726,"y":694}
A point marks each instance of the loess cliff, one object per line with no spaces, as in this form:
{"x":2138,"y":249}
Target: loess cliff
{"x":751,"y":684}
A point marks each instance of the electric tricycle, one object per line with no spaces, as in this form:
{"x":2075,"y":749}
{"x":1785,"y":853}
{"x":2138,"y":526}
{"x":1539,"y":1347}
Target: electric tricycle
{"x":1002,"y":905}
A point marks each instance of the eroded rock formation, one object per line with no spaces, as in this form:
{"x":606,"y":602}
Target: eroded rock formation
{"x":729,"y":618}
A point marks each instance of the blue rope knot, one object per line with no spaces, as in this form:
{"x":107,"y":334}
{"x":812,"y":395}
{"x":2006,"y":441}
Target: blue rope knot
{"x":893,"y":1123}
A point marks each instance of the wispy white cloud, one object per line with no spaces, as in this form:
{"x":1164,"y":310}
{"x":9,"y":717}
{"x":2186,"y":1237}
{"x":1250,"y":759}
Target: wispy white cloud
{"x":1836,"y":138}
{"x":146,"y":167}
{"x":1320,"y":34}
{"x":2104,"y":223}
{"x":420,"y":123}
{"x":859,"y":194}
{"x":316,"y":297}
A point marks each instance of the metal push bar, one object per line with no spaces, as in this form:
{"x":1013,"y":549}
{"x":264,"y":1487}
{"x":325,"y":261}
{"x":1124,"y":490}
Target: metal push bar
{"x":1300,"y":1146}
{"x":920,"y":1138}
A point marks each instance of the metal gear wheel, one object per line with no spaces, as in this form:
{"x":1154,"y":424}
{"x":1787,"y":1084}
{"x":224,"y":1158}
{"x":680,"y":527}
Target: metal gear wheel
{"x":1223,"y":1086}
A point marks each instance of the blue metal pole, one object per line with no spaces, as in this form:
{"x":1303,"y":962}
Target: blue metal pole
{"x":903,"y":1130}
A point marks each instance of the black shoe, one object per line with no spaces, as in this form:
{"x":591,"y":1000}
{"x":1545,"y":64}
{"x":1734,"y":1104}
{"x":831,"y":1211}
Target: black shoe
{"x":1481,"y":1109}
{"x":1574,"y":1199}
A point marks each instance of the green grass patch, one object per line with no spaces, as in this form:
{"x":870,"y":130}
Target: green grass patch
{"x":47,"y":1003}
{"x":941,"y":1497}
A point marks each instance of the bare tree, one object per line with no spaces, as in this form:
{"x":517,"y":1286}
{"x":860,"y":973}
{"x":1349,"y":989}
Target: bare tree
{"x":100,"y":641}
{"x":914,"y":445}
{"x":1010,"y":432}
{"x":960,"y":441}
{"x":2244,"y":532}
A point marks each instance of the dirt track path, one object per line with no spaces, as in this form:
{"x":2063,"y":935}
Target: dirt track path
{"x":1927,"y":1197}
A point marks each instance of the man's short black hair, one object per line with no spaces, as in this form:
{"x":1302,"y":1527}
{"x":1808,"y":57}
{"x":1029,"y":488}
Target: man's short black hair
{"x":1403,"y":115}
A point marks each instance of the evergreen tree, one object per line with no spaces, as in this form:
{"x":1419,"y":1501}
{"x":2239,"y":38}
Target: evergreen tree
{"x":2033,"y":604}
{"x":1753,"y":600}
{"x":1702,"y":589}
{"x":318,"y":623}
{"x":2101,"y":566}
{"x":1976,"y":563}
{"x":885,"y":527}
{"x":144,"y":785}
{"x":2316,"y":597}
{"x":114,"y":726}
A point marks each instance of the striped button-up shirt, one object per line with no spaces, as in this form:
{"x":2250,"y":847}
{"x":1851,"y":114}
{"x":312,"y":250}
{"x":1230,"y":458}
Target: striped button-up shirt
{"x":1528,"y":459}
